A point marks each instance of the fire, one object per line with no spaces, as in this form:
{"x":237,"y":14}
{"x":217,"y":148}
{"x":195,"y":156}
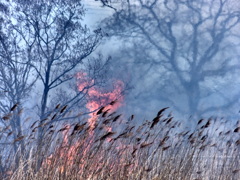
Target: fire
{"x":109,"y":101}
{"x":97,"y":98}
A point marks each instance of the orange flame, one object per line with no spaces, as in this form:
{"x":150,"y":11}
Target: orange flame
{"x":97,"y":98}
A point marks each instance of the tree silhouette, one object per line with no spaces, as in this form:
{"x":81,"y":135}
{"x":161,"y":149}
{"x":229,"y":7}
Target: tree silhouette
{"x":189,"y":47}
{"x":43,"y":46}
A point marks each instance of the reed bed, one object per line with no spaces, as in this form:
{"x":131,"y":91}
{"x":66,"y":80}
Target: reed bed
{"x":116,"y":148}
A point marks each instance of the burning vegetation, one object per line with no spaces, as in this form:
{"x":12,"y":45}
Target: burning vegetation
{"x":156,"y":149}
{"x":44,"y":43}
{"x":107,"y":145}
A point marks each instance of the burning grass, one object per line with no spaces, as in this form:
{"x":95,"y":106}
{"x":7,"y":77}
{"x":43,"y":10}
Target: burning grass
{"x":118,"y":149}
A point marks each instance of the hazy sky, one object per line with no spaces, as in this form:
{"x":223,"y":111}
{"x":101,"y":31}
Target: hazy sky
{"x":95,"y":12}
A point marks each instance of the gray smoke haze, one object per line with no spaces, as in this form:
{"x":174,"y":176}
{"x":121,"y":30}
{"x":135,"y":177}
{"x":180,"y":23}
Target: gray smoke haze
{"x":180,"y":54}
{"x":173,"y":54}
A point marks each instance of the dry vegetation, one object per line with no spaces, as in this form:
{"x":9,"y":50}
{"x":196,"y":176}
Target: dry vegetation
{"x":117,"y":149}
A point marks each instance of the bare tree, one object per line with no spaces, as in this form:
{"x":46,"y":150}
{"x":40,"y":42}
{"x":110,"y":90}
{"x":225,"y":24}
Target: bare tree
{"x":61,"y":45}
{"x":15,"y":85}
{"x":190,"y":48}
{"x":43,"y":46}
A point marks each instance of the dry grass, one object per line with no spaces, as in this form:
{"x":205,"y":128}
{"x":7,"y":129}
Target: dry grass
{"x":118,"y":149}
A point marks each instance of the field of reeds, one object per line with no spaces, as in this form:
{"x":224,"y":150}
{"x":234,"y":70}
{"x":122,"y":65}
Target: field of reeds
{"x":116,"y":148}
